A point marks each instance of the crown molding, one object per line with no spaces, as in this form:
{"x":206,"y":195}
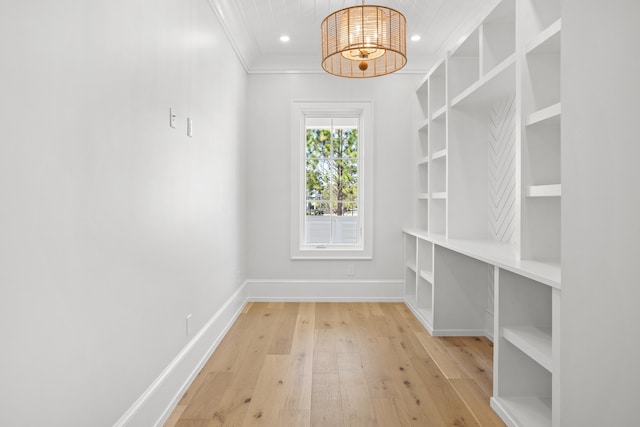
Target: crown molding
{"x":248,"y":53}
{"x":243,"y":45}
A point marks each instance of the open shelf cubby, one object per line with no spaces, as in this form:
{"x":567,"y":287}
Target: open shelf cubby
{"x":526,"y":316}
{"x":524,"y":353}
{"x":438,"y":133}
{"x":537,"y":15}
{"x":422,"y":102}
{"x":498,"y":35}
{"x":541,"y":153}
{"x":547,"y":41}
{"x":423,"y":179}
{"x":439,"y":175}
{"x":460,"y":293}
{"x":425,"y":260}
{"x":410,"y":285}
{"x":464,"y":65}
{"x":424,"y":299}
{"x":422,"y":215}
{"x":541,"y":81}
{"x":437,"y":88}
{"x":438,"y":216}
{"x":528,"y":390}
{"x":541,"y":73}
{"x":541,"y":229}
{"x":410,"y":252}
{"x":481,"y":156}
{"x":423,"y":142}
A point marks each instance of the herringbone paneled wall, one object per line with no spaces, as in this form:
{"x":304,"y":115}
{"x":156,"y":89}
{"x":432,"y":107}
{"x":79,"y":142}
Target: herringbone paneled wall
{"x":502,"y":186}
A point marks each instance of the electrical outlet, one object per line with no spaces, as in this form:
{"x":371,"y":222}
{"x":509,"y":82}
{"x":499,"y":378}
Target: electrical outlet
{"x":187,"y":325}
{"x":351,"y":270}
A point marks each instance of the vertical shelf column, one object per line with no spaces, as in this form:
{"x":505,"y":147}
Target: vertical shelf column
{"x":539,"y":39}
{"x":481,"y":132}
{"x":422,"y":156}
{"x":438,"y":147}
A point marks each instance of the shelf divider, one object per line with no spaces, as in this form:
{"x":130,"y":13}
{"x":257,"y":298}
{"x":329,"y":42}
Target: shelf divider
{"x":439,"y":195}
{"x":548,"y":41}
{"x":534,"y":342}
{"x":495,"y":84}
{"x":549,"y":115}
{"x":440,"y":111}
{"x":526,"y":411}
{"x":427,"y":275}
{"x":439,"y":154}
{"x":552,"y":190}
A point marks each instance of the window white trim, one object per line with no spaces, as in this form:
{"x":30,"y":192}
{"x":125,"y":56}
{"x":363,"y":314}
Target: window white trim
{"x":364,"y":110}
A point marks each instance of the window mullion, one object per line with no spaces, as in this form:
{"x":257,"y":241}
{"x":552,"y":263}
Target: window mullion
{"x":329,"y":161}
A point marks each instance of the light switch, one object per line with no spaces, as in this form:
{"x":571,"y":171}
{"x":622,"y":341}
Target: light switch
{"x":189,"y":127}
{"x":172,"y":118}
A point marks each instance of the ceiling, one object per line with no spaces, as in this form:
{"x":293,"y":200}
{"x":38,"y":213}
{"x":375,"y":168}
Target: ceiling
{"x":255,"y":26}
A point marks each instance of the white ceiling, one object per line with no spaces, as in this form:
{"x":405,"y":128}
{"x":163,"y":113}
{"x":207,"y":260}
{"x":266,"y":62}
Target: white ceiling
{"x":255,"y":26}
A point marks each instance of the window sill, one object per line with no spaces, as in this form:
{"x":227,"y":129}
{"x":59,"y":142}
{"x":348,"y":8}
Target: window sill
{"x":331,"y":254}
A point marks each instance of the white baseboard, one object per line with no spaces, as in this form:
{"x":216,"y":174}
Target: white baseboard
{"x":453,"y":332}
{"x":425,"y":322}
{"x":459,"y":333}
{"x":154,"y":407}
{"x":326,"y":290}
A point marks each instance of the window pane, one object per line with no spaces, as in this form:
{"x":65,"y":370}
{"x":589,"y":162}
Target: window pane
{"x":317,"y":223}
{"x":345,"y":143}
{"x":344,"y":180}
{"x":317,"y":179}
{"x":345,"y":122}
{"x":318,"y":143}
{"x":317,"y":122}
{"x":345,"y":228}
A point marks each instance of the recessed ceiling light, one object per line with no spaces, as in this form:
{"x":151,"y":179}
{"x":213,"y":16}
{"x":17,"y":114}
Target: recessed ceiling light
{"x":415,"y":37}
{"x":284,"y":38}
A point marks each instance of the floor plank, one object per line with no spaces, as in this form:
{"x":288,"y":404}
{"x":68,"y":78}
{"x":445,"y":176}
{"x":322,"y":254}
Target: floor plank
{"x":477,"y":402}
{"x":326,"y":401}
{"x":339,"y":364}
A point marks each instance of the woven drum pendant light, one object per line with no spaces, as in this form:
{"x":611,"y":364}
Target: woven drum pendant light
{"x":364,"y":41}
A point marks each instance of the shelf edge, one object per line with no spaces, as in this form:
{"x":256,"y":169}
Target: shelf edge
{"x":532,"y":341}
{"x":439,"y":154}
{"x":552,"y":190}
{"x":439,"y":195}
{"x":487,"y":78}
{"x":544,"y":36}
{"x":545,"y":114}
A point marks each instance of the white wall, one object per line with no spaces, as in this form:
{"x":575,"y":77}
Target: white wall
{"x":600,"y":213}
{"x":269,"y":159}
{"x":113,"y":226}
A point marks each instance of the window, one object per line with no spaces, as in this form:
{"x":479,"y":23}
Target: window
{"x":331,"y":191}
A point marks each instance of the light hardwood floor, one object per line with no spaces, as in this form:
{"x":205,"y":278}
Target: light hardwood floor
{"x":339,"y":364}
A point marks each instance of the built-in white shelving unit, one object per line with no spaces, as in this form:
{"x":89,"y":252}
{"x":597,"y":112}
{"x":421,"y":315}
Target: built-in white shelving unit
{"x":484,"y":255}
